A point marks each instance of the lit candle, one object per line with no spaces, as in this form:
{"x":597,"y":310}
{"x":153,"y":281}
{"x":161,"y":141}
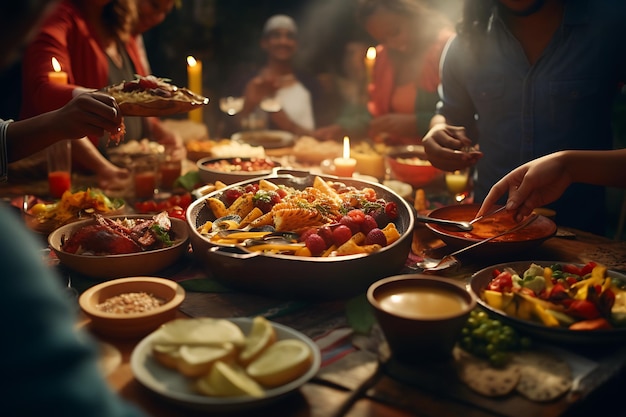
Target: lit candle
{"x":194,"y":77}
{"x":344,"y":166}
{"x":370,"y":59}
{"x":57,"y":76}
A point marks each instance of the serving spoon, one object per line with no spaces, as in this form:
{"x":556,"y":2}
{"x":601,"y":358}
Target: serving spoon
{"x":462,"y":225}
{"x":450,"y":261}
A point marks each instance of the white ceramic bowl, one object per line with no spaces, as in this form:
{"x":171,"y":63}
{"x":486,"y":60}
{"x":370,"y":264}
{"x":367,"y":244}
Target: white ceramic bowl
{"x":211,"y":175}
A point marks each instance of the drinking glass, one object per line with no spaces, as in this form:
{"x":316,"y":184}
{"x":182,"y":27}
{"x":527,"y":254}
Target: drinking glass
{"x":270,"y":104}
{"x":231,"y":105}
{"x":59,"y":157}
{"x":457,"y":183}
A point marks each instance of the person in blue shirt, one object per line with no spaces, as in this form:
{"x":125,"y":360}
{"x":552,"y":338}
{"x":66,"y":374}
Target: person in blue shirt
{"x":527,"y":78}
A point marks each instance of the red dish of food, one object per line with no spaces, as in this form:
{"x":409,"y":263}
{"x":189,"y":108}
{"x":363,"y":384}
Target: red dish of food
{"x":529,"y":237}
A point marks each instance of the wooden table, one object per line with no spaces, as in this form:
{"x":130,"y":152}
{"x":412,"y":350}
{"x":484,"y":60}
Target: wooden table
{"x":423,"y":392}
{"x":369,"y":390}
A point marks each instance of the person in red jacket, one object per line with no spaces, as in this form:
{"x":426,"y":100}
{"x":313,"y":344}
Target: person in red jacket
{"x":92,"y":40}
{"x":402,"y":91}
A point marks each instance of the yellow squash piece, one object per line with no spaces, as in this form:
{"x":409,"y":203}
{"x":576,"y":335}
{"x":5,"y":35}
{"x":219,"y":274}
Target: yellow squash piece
{"x":242,"y":206}
{"x":546,"y":318}
{"x":217,"y":207}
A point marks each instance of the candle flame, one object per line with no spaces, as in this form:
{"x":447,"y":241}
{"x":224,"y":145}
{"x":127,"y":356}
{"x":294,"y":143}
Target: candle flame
{"x":55,"y":65}
{"x":371,"y":53}
{"x":346,"y":147}
{"x":191,"y":61}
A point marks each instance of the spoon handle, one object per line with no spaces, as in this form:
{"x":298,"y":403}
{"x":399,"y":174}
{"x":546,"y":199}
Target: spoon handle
{"x":528,"y":220}
{"x":491,"y":213}
{"x":459,"y":225}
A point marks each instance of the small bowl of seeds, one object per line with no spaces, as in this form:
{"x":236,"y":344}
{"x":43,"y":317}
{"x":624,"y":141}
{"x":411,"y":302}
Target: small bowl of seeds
{"x":131,"y":307}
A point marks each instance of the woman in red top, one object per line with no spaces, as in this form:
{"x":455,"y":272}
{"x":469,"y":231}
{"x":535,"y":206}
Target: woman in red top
{"x":403,"y":88}
{"x":92,"y":41}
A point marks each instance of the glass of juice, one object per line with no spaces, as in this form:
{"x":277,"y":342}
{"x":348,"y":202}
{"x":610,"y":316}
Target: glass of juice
{"x":457,"y":183}
{"x":170,"y":168}
{"x":145,"y":174}
{"x":59,"y":157}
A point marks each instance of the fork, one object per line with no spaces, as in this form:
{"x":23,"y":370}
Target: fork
{"x":450,"y":259}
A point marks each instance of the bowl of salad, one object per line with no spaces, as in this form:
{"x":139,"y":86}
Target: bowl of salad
{"x":44,"y":216}
{"x":556,"y":301}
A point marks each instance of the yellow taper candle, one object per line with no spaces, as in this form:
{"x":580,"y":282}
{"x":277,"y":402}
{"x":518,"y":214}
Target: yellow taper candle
{"x":370,"y":60}
{"x":194,"y":77}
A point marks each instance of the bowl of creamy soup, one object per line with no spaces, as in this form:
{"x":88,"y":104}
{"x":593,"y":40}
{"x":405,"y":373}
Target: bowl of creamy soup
{"x":421,"y":316}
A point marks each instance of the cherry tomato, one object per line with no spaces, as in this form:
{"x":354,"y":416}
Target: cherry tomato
{"x":391,"y":210}
{"x":177,"y":212}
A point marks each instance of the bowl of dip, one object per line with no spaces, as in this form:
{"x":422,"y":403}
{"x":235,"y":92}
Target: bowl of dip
{"x":421,"y":316}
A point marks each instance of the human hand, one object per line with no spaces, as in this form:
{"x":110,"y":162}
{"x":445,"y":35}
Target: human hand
{"x":113,"y":178}
{"x":172,"y":141}
{"x":87,"y":114}
{"x":393,"y":124}
{"x":257,"y":89}
{"x":331,"y":132}
{"x":444,"y":146}
{"x":534,"y":184}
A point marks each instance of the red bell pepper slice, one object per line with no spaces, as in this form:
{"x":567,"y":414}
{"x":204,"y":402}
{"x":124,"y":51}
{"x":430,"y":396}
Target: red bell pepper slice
{"x":502,"y":283}
{"x":594,"y":324}
{"x":588,"y":268}
{"x":583,"y":309}
{"x":572,"y":269}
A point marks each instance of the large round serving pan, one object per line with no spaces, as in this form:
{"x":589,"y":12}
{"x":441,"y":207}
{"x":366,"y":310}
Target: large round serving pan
{"x":285,"y":276}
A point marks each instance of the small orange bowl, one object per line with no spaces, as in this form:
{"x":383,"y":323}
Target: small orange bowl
{"x":131,"y":324}
{"x":409,"y":164}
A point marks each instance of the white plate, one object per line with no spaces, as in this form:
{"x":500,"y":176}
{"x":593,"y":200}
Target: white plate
{"x":177,"y":388}
{"x":269,"y":139}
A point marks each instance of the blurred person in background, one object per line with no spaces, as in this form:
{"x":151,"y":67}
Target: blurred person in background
{"x":295,"y":96}
{"x":150,"y":13}
{"x":94,"y":43}
{"x":402,"y":93}
{"x":527,"y":78}
{"x":52,"y":367}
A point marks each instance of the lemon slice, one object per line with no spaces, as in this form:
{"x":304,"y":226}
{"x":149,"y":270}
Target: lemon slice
{"x":226,"y":380}
{"x":199,"y":331}
{"x":194,"y":361}
{"x":282,"y":362}
{"x":167,"y":355}
{"x":262,"y":335}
